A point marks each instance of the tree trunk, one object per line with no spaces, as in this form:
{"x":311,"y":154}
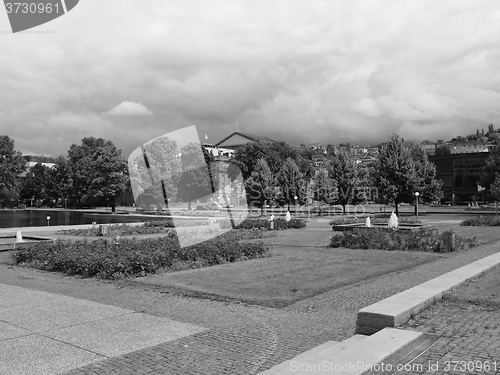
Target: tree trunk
{"x":189,"y":206}
{"x":396,"y":205}
{"x":343,"y":209}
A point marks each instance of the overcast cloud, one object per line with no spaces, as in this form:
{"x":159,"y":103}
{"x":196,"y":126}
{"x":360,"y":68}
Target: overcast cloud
{"x":300,"y":71}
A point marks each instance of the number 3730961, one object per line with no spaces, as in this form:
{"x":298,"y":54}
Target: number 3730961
{"x":32,"y":8}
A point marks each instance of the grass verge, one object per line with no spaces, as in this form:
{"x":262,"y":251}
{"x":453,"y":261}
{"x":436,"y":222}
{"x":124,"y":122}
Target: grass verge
{"x":288,"y":275}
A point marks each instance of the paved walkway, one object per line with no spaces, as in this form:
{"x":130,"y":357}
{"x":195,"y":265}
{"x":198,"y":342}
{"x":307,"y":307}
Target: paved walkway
{"x":238,"y":339}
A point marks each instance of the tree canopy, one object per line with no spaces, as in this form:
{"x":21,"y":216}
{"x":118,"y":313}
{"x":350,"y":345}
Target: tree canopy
{"x":402,"y":169}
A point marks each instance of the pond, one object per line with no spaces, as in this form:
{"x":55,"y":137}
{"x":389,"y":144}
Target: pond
{"x":38,"y":218}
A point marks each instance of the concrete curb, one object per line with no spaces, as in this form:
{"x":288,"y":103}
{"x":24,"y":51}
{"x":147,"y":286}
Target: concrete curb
{"x":398,"y":309}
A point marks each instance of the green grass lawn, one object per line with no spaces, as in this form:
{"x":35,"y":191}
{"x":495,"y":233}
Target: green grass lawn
{"x":289,"y":275}
{"x":484,"y":290}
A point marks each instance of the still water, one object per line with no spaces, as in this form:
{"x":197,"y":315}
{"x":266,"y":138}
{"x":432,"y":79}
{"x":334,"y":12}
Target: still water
{"x":38,"y":218}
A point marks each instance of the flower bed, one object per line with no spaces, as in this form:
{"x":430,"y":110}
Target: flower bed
{"x":149,"y":227}
{"x":279,"y":224}
{"x":425,"y":239}
{"x":108,"y":259}
{"x":492,"y":221}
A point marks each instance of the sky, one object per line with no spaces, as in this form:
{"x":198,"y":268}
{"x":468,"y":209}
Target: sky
{"x":300,"y":71}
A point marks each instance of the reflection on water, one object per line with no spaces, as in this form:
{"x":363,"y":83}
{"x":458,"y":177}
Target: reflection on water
{"x":38,"y":218}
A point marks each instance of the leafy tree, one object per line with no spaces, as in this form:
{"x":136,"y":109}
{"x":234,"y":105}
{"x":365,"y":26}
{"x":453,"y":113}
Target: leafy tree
{"x":60,"y":182}
{"x":290,"y":181}
{"x":35,"y":183}
{"x":12,"y":165}
{"x":246,"y":158}
{"x":156,"y":181}
{"x":80,"y":165}
{"x":109,"y":175}
{"x":196,"y":180}
{"x":428,"y":187}
{"x":97,"y":171}
{"x":491,"y":169}
{"x":403,"y":169}
{"x":495,"y":189}
{"x":345,"y":172}
{"x":261,"y":185}
{"x":325,"y":189}
{"x":443,"y":150}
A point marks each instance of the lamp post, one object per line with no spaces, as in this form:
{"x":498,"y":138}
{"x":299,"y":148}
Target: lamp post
{"x":32,"y":199}
{"x":295,"y":197}
{"x":416,"y":203}
{"x":48,"y":221}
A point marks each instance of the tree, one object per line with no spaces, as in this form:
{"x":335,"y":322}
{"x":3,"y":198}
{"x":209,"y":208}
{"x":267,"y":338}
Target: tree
{"x":157,"y":180}
{"x":97,"y":171}
{"x":491,"y":169}
{"x":261,"y":185}
{"x":109,"y":175}
{"x":60,"y":183}
{"x":80,"y":165}
{"x":443,"y":150}
{"x":403,"y":169}
{"x":325,"y":189}
{"x":290,"y":181}
{"x":495,"y":189}
{"x":345,"y":172}
{"x":35,"y":183}
{"x":429,"y":188}
{"x":12,"y":165}
{"x":491,"y":129}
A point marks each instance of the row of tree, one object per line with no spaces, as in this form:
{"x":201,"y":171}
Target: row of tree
{"x":93,"y":172}
{"x":277,"y":173}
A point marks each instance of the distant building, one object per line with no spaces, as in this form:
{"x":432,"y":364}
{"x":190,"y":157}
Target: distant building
{"x":31,"y":164}
{"x":237,"y":139}
{"x":223,"y":151}
{"x":430,"y":149}
{"x":460,"y":174}
{"x":470,"y":147}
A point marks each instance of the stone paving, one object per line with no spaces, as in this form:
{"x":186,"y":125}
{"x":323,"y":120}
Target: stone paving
{"x":243,"y":339}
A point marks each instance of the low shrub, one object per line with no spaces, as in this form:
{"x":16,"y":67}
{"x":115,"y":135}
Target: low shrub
{"x":373,"y":220}
{"x":425,"y":239}
{"x":149,"y":227}
{"x":279,"y":224}
{"x":108,"y":259}
{"x":493,"y":221}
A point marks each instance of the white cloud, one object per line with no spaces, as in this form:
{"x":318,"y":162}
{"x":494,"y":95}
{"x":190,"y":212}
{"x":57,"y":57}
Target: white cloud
{"x":130,"y":109}
{"x":321,"y":71}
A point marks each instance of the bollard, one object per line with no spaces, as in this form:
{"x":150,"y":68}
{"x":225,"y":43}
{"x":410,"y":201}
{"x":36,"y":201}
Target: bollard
{"x":271,"y":222}
{"x":103,"y":230}
{"x":448,"y":241}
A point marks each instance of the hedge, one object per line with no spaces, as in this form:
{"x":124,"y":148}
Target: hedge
{"x":108,"y":259}
{"x":149,"y":227}
{"x":493,"y":221}
{"x":279,"y":224}
{"x":425,"y":239}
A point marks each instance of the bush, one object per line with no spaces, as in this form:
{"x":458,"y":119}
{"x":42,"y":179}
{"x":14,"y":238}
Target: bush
{"x":373,"y":220}
{"x":133,"y":257}
{"x":149,"y":227}
{"x":493,"y":221}
{"x":279,"y":224}
{"x":424,"y":239}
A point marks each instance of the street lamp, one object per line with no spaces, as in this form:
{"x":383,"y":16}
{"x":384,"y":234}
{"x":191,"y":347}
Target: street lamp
{"x":295,"y":205}
{"x":48,"y":220}
{"x":416,"y":204}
